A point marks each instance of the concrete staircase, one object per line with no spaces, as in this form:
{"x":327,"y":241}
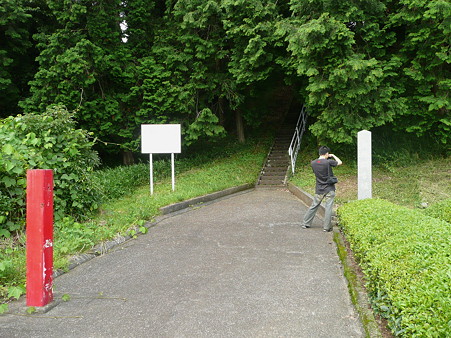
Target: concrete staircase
{"x":275,"y":170}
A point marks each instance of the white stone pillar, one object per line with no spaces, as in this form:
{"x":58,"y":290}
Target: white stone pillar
{"x":364,"y":164}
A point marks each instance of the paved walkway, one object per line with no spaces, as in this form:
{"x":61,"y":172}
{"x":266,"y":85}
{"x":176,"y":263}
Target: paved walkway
{"x":238,"y":267}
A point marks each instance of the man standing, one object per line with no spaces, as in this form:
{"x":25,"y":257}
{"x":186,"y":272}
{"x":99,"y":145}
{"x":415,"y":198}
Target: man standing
{"x":322,"y":167}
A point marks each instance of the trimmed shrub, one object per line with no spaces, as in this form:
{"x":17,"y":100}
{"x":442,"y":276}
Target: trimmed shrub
{"x":440,"y":210}
{"x":46,"y":141}
{"x":406,"y":258}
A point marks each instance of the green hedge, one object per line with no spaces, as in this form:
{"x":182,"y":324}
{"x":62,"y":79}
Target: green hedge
{"x":406,"y":258}
{"x":440,"y":210}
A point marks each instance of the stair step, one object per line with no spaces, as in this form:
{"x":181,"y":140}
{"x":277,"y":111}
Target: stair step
{"x":275,"y":182}
{"x":270,"y":181}
{"x":281,"y":172}
{"x":279,"y":168}
{"x":277,"y":175}
{"x":282,"y":186}
{"x":274,"y":171}
{"x":276,"y":167}
{"x":279,"y":158}
{"x":278,"y":155}
{"x":272,"y":178}
{"x":277,"y":163}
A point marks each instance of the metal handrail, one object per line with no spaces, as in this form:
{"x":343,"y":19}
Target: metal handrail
{"x":297,"y":137}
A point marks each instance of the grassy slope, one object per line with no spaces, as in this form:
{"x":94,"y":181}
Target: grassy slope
{"x":425,"y":181}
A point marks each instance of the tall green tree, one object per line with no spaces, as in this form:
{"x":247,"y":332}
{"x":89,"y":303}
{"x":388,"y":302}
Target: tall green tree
{"x":360,"y":59}
{"x":204,"y":62}
{"x":216,"y":65}
{"x":180,"y":75}
{"x":85,"y":65}
{"x":253,"y":53}
{"x":423,"y":32}
{"x":19,"y":20}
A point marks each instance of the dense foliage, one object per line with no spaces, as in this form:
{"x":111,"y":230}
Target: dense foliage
{"x":370,"y":62}
{"x":216,"y":65}
{"x":406,"y":258}
{"x":46,"y":141}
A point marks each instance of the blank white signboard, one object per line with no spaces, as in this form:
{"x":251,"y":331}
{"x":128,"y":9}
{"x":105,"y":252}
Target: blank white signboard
{"x":160,"y":139}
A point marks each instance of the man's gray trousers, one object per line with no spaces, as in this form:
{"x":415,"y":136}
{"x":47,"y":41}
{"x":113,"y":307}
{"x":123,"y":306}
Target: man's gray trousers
{"x":311,"y":212}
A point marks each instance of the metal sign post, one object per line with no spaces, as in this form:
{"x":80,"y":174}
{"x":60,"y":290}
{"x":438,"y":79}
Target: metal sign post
{"x":173,"y":171}
{"x":151,"y":173}
{"x":161,"y":139}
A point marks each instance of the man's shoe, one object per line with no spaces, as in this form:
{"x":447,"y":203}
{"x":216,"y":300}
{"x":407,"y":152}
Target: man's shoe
{"x":305,"y":227}
{"x":327,"y":230}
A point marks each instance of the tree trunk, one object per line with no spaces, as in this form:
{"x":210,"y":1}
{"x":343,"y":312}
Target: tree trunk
{"x":221,"y":111}
{"x":127,"y":158}
{"x":239,"y":126}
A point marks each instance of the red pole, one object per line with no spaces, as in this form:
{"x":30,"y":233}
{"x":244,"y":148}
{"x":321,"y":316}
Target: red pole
{"x":39,"y":237}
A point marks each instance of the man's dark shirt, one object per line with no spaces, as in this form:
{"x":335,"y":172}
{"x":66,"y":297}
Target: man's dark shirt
{"x":320,"y":168}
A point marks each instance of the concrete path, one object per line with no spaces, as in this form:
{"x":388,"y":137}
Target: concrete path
{"x":238,"y":267}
